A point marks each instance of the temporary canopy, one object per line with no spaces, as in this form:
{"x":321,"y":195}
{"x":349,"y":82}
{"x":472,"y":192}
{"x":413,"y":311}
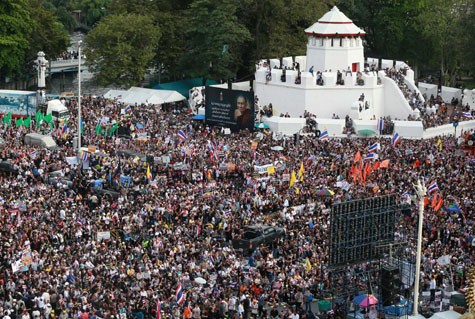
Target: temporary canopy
{"x":183,"y":87}
{"x":136,"y":95}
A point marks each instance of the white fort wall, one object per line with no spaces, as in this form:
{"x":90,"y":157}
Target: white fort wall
{"x":324,"y":101}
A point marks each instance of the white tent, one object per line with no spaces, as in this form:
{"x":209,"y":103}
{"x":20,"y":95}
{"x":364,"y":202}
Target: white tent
{"x":450,"y":314}
{"x":136,"y":95}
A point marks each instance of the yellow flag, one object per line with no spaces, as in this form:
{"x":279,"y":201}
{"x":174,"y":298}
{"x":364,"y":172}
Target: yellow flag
{"x":271,"y":170}
{"x":297,"y":191}
{"x":439,"y":144}
{"x":301,"y":172}
{"x":308,"y":265}
{"x":293,"y":179}
{"x":148,"y":174}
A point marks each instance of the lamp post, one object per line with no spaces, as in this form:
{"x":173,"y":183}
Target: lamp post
{"x":421,"y":192}
{"x":79,"y":97}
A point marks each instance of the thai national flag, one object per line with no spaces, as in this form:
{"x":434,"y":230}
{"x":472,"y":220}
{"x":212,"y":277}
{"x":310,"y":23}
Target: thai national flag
{"x":179,"y":296}
{"x":211,"y":260}
{"x":33,"y":154}
{"x":467,"y":114}
{"x":324,"y":135}
{"x":181,"y":135}
{"x":370,"y":156}
{"x":380,"y":125}
{"x":406,"y":194}
{"x":128,"y":109}
{"x":65,"y":129}
{"x":373,"y":148}
{"x":395,"y":140}
{"x":85,"y":156}
{"x":432,"y":187}
{"x":158,"y":310}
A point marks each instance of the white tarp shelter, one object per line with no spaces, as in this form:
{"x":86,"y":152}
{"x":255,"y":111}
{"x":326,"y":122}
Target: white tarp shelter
{"x":450,"y":314}
{"x":136,"y":95}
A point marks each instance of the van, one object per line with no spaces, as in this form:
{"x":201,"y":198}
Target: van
{"x":35,"y":139}
{"x":57,"y":109}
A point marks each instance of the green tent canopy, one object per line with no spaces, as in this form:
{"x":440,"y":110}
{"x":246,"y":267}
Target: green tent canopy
{"x":183,"y":86}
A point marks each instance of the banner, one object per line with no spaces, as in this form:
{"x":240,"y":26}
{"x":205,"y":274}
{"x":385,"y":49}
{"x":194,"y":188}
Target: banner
{"x":263,"y":169}
{"x":229,"y":108}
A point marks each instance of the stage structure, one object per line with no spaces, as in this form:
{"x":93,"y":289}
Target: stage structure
{"x":363,"y":250}
{"x":359,"y":229}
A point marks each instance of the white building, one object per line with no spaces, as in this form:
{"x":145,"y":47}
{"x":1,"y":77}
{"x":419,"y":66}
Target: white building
{"x":335,"y":54}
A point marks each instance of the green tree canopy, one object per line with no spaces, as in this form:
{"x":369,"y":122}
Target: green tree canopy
{"x":15,"y":30}
{"x":121,"y":47}
{"x":215,"y":39}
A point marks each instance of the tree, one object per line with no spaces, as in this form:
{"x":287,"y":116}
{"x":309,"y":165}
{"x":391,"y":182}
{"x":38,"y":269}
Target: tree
{"x":15,"y":30}
{"x":120,"y":48}
{"x":93,"y":10}
{"x":51,"y":37}
{"x":215,"y":40}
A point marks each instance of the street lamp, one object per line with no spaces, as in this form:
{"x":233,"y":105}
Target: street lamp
{"x":79,"y":97}
{"x":421,"y":192}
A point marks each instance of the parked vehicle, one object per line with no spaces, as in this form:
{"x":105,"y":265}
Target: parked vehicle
{"x":7,"y":166}
{"x":45,"y":141}
{"x":256,"y":235}
{"x":57,"y":109}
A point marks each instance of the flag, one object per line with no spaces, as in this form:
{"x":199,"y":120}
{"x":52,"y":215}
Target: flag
{"x":181,"y":135}
{"x":376,"y":165}
{"x":48,"y":118}
{"x":179,"y":295}
{"x":7,"y":119}
{"x":439,"y":144}
{"x":444,"y":260}
{"x":98,"y":129}
{"x":396,"y":139}
{"x":373,"y":148}
{"x":293,"y":179}
{"x":211,"y":260}
{"x":406,"y":194}
{"x":324,"y":134}
{"x":301,"y":172}
{"x":384,"y":164}
{"x":27,"y":122}
{"x":128,"y":109}
{"x":432,"y":187}
{"x":85,"y":156}
{"x":19,"y":122}
{"x":467,"y":114}
{"x":113,"y":129}
{"x":370,"y":156}
{"x":380,"y":125}
{"x":64,"y":129}
{"x":148,"y":173}
{"x":308,"y":265}
{"x":158,"y":310}
{"x":357,"y":157}
{"x":33,"y":154}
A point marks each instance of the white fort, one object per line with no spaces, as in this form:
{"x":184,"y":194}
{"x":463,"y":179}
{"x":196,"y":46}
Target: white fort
{"x":335,"y":78}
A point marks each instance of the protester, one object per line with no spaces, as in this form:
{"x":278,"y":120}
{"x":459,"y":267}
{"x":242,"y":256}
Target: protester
{"x":113,"y":233}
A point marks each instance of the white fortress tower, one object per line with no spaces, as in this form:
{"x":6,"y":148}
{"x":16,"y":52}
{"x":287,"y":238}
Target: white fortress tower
{"x":334,"y":43}
{"x":335,"y":79}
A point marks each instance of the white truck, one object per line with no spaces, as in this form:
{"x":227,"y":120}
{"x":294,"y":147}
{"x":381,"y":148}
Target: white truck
{"x":58,"y":110}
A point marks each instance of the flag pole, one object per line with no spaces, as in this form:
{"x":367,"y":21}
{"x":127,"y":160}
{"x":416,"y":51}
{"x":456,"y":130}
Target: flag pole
{"x":421,"y":192}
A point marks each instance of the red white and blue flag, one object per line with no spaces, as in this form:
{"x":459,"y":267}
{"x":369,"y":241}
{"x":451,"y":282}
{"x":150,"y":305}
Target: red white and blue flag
{"x":324,"y":135}
{"x":158,"y":310}
{"x":85,"y":156}
{"x":467,"y":114}
{"x":370,"y":156}
{"x":373,"y":148}
{"x":181,"y":135}
{"x":380,"y":125}
{"x":128,"y":109}
{"x":179,"y":295}
{"x":396,"y":139}
{"x":432,"y":187}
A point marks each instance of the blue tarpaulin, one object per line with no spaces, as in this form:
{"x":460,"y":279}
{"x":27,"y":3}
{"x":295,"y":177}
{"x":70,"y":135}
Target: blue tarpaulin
{"x":183,"y":86}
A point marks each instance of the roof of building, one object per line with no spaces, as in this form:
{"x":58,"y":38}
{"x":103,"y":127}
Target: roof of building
{"x":334,"y":23}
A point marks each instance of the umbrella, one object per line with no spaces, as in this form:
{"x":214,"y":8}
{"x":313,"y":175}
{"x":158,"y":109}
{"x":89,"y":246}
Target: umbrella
{"x":277,"y":148}
{"x":365,"y":300}
{"x":198,"y":117}
{"x":200,"y":280}
{"x":325,"y":192}
{"x":366,"y":132}
{"x":261,"y":125}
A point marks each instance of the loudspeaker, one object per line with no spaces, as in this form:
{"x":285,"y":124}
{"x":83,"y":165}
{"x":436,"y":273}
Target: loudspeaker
{"x":390,"y":284}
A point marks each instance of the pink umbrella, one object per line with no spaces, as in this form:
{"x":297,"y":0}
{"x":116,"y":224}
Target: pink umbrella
{"x":368,"y":301}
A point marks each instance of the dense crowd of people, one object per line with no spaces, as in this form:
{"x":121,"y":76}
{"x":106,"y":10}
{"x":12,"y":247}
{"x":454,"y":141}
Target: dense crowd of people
{"x":77,"y":250}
